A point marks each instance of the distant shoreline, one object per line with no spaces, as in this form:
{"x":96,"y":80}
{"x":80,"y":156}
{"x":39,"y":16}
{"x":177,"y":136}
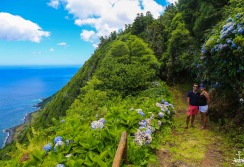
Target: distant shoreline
{"x":11,"y":131}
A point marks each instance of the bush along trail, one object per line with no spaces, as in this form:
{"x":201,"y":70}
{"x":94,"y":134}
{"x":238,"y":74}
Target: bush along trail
{"x":193,"y":146}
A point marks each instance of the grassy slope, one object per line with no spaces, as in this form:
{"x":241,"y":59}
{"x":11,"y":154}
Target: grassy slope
{"x":193,"y":146}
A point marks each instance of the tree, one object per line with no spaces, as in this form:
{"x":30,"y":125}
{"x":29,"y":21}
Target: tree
{"x":129,"y":66}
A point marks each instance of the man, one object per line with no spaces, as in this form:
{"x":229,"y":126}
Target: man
{"x":192,"y":98}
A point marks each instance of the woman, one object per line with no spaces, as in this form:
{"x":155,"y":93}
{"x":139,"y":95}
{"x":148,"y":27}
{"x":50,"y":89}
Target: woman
{"x":203,"y":102}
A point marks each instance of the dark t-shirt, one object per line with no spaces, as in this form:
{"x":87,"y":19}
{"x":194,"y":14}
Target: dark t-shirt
{"x":193,"y":98}
{"x":202,"y":100}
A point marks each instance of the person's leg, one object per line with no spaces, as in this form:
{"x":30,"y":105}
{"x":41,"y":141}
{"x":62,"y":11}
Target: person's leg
{"x":204,"y":121}
{"x":187,"y":121}
{"x":201,"y":117}
{"x":192,"y":120}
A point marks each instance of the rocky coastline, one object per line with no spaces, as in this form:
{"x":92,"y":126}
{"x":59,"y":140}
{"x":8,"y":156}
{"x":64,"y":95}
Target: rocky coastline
{"x":11,"y":131}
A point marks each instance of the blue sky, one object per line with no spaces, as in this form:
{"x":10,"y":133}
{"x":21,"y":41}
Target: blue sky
{"x":63,"y":32}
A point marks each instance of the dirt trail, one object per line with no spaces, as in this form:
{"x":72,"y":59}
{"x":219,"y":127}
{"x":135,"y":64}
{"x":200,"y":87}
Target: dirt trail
{"x":192,"y":147}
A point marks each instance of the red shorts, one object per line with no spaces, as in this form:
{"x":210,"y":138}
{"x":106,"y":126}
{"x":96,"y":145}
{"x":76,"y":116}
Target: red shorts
{"x":192,"y":110}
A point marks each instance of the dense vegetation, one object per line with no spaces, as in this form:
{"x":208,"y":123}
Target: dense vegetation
{"x":193,"y":40}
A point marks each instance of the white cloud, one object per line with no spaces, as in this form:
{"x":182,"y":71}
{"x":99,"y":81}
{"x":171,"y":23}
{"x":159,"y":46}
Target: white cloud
{"x":172,"y":1}
{"x":105,"y":16}
{"x":15,"y":28}
{"x":87,"y":35}
{"x":54,"y":3}
{"x":62,"y":44}
{"x":51,"y":50}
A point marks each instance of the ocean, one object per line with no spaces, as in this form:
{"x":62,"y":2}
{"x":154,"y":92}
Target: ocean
{"x":21,"y":87}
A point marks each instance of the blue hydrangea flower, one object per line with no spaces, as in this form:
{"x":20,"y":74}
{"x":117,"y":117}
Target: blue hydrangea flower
{"x":238,"y":15}
{"x":139,"y":111}
{"x":233,"y":46}
{"x":148,"y":131}
{"x":204,"y":51}
{"x":47,"y":147}
{"x":168,"y":111}
{"x":143,"y":123}
{"x":97,"y":125}
{"x":239,"y":26}
{"x":171,"y":105}
{"x":58,"y":138}
{"x":229,"y":20}
{"x":228,"y":41}
{"x":160,"y":114}
{"x":240,"y":30}
{"x":102,"y":120}
{"x":59,"y":143}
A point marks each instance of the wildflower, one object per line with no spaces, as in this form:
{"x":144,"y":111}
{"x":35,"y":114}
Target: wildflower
{"x":62,"y":120}
{"x":149,"y":131}
{"x":148,"y":139}
{"x":68,"y":155}
{"x":238,"y":26}
{"x":159,"y":123}
{"x":228,"y":41}
{"x":131,"y":109}
{"x":159,"y":105}
{"x":139,"y":111}
{"x":168,"y":112}
{"x":171,"y":105}
{"x":229,"y":19}
{"x":58,"y":138}
{"x":97,"y":125}
{"x":238,"y":15}
{"x":240,"y":31}
{"x":47,"y":147}
{"x":166,"y":103}
{"x":69,"y":141}
{"x":233,"y":46}
{"x":59,"y":143}
{"x":203,"y":50}
{"x":162,"y":101}
{"x":60,"y":165}
{"x":142,"y":138}
{"x":160,"y":114}
{"x":143,"y":123}
{"x":102,"y":120}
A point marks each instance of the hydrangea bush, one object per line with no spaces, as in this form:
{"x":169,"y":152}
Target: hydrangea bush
{"x":143,"y":135}
{"x":222,"y":59}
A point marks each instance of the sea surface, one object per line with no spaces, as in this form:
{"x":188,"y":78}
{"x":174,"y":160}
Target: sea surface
{"x":21,"y":87}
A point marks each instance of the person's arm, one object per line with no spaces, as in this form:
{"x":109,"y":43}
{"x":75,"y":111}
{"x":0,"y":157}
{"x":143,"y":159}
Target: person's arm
{"x":188,"y":100}
{"x":208,"y":98}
